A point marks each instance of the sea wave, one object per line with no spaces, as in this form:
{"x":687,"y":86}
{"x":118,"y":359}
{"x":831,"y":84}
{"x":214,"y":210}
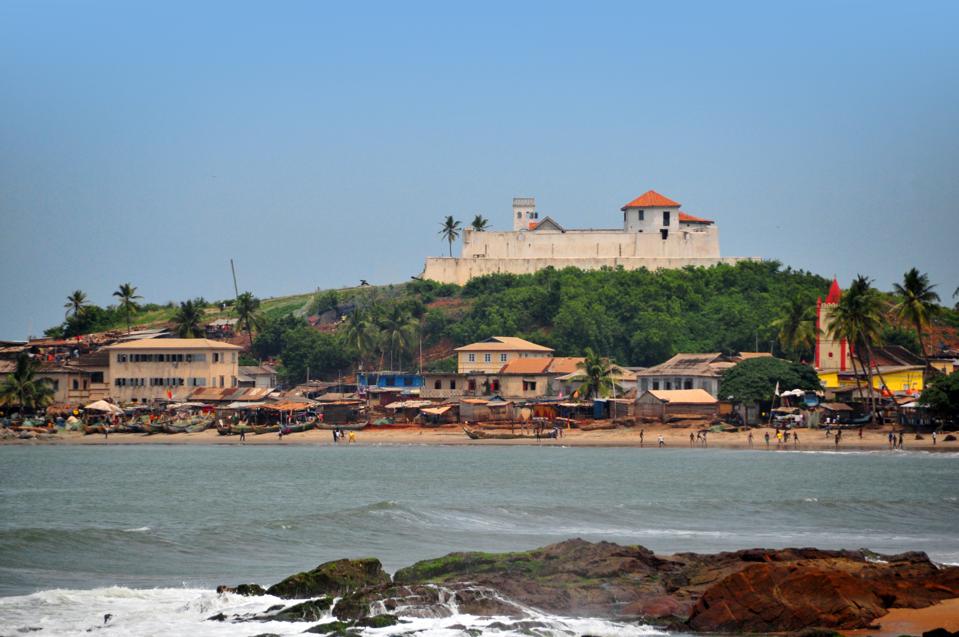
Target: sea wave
{"x":166,"y":611}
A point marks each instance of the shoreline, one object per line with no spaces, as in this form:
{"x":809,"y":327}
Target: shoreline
{"x":453,"y":435}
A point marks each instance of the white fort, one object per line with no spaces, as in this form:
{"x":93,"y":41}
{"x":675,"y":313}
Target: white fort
{"x":655,"y":234}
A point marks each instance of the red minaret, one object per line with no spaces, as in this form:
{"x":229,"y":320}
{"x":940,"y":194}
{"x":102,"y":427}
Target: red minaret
{"x":830,"y":353}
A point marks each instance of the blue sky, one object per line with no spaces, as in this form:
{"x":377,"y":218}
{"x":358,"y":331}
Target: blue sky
{"x":320,"y":143}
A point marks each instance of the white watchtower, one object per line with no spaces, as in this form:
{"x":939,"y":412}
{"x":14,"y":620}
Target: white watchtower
{"x":524,"y":213}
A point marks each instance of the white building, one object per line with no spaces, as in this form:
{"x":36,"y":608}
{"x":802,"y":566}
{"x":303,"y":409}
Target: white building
{"x":655,"y":234}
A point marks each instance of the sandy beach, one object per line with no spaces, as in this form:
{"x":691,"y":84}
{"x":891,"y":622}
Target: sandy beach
{"x":913,"y":621}
{"x":809,"y":440}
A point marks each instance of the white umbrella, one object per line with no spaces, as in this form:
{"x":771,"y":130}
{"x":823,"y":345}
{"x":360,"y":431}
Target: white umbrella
{"x":102,"y":405}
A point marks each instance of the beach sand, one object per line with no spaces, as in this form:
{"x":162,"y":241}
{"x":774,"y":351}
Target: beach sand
{"x":913,"y":621}
{"x":809,"y":440}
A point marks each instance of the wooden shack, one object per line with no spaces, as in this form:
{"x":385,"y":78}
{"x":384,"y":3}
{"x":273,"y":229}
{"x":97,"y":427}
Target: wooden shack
{"x":677,"y":404}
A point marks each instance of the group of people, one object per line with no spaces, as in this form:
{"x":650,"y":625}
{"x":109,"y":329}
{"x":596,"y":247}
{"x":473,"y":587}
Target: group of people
{"x":895,"y":442}
{"x":642,"y":438}
{"x":338,"y":435}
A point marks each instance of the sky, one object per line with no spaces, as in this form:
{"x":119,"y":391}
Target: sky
{"x":320,"y":143}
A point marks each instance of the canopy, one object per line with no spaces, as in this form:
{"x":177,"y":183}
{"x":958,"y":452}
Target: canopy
{"x":794,"y":392}
{"x":436,"y":411}
{"x":102,"y":405}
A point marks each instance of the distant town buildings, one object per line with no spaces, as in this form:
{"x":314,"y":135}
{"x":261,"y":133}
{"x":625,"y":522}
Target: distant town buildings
{"x":655,"y":234}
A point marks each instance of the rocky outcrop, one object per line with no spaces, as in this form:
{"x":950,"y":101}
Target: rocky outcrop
{"x":757,"y":590}
{"x":332,"y":578}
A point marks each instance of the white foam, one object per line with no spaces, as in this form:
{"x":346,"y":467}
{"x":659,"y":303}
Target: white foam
{"x":183,"y":611}
{"x":139,"y":529}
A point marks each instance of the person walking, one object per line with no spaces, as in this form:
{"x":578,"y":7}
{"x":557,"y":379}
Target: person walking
{"x":838,"y":435}
{"x":795,"y":439}
{"x":662,"y":441}
{"x":691,"y":438}
{"x":243,"y":435}
{"x":900,"y":439}
{"x":642,"y":433}
{"x":767,"y":439}
{"x":934,"y":439}
{"x":749,"y":438}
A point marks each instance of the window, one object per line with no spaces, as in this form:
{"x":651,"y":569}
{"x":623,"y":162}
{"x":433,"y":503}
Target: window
{"x":642,"y":215}
{"x":234,"y":381}
{"x":487,"y":358}
{"x":216,"y":357}
{"x":502,"y":358}
{"x":221,"y":381}
{"x":452,"y":383}
{"x":471,"y":384}
{"x":655,"y":385}
{"x":471,"y":358}
{"x":688,"y":383}
{"x":519,"y":215}
{"x":233,"y":357}
{"x":665,"y":217}
{"x":529,"y":385}
{"x":96,"y":377}
{"x":665,"y":233}
{"x":121,"y":358}
{"x":55,"y":385}
{"x":494,"y":385}
{"x":437,"y":384}
{"x":76,"y":384}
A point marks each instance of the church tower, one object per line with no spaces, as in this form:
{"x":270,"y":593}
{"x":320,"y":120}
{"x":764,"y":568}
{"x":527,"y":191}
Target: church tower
{"x":831,"y":354}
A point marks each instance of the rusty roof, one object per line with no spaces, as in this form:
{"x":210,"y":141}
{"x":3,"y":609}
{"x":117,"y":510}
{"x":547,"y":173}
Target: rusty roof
{"x":230,"y":394}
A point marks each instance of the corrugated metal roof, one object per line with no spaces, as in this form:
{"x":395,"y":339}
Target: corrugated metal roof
{"x":173,"y":343}
{"x":689,"y":396}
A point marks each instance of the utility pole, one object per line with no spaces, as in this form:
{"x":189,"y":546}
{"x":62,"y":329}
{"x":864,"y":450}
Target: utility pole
{"x":236,"y":290}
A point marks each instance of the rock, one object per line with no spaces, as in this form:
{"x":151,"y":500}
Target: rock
{"x":334,"y":628}
{"x":219,"y":617}
{"x":940,"y":632}
{"x":379,"y":621}
{"x":250,"y":590}
{"x":332,"y":578}
{"x":485,"y":601}
{"x":311,"y":611}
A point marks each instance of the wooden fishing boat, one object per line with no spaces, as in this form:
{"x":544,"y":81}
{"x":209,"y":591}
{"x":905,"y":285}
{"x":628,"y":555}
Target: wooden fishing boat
{"x":199,"y":424}
{"x":241,"y":428}
{"x":175,"y":427}
{"x":224,"y":430}
{"x":297,"y":427}
{"x":266,"y":429}
{"x":349,"y":426}
{"x":479,"y":434}
{"x":93,"y":429}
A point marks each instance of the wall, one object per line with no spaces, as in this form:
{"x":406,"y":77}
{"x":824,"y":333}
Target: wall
{"x":708,"y":383}
{"x":460,"y":271}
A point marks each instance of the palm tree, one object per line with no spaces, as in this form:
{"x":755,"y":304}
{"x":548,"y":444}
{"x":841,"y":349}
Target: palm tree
{"x":247,"y":308}
{"x":858,"y":319}
{"x":76,"y":302}
{"x":479,"y":223}
{"x":23,"y":389}
{"x":917,"y":303}
{"x":450,"y":231}
{"x":127,"y":294}
{"x":797,"y":330}
{"x":363,"y":334}
{"x":187,"y":320}
{"x":595,"y":373}
{"x":399,"y":331}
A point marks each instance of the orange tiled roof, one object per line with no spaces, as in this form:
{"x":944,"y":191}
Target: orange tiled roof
{"x":685,"y":218}
{"x":652,"y":199}
{"x":526,"y":366}
{"x":565,"y":364}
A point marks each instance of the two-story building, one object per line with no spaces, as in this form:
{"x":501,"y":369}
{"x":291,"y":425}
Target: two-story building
{"x":170,"y":368}
{"x":489,"y":356}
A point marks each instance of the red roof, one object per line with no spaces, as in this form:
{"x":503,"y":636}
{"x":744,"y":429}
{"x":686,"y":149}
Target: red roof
{"x":835,"y":293}
{"x":685,"y":218}
{"x":651,"y":199}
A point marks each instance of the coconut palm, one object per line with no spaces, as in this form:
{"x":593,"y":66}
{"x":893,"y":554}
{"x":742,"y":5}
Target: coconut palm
{"x":479,"y":223}
{"x":450,"y":231}
{"x":23,"y":389}
{"x":595,"y":374}
{"x":127,"y":296}
{"x":399,"y":332}
{"x":858,"y":318}
{"x":187,"y":320}
{"x":917,"y":303}
{"x":247,"y":308}
{"x":362,"y":333}
{"x":797,"y":330}
{"x":76,"y":302}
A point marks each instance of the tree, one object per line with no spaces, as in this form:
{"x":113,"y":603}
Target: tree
{"x":23,"y":389}
{"x":399,"y":331}
{"x":127,"y":296}
{"x":247,"y":308}
{"x":76,"y":303}
{"x":479,"y":223}
{"x":450,"y":231}
{"x":858,"y":318}
{"x":187,"y":320}
{"x":314,"y":354}
{"x":595,"y":374}
{"x":272,"y":337}
{"x":361,"y":332}
{"x":754,"y":380}
{"x":917,"y":303}
{"x":941,"y":396}
{"x":796,"y":329}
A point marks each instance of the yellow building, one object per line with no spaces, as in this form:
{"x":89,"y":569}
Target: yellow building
{"x":170,"y":368}
{"x":489,"y":356}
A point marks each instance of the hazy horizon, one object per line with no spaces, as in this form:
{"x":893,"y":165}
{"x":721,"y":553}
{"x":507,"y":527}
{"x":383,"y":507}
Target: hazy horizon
{"x":318,"y":145}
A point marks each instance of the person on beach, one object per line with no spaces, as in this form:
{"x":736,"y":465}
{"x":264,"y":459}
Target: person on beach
{"x":662,"y":441}
{"x":704,"y":439}
{"x":691,"y":438}
{"x":795,"y":439}
{"x":352,"y":437}
{"x":749,"y":438}
{"x":891,"y":439}
{"x":333,"y":431}
{"x":838,"y":436}
{"x":934,"y":439}
{"x":860,"y":432}
{"x":900,"y":439}
{"x":642,"y":433}
{"x":243,"y":435}
{"x":767,"y":440}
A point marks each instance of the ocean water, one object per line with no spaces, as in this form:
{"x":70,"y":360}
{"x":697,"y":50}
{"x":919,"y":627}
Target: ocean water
{"x":146,"y":532}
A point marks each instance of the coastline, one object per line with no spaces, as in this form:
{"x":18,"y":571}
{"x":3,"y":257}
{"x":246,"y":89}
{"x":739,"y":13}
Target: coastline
{"x":674,"y":437}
